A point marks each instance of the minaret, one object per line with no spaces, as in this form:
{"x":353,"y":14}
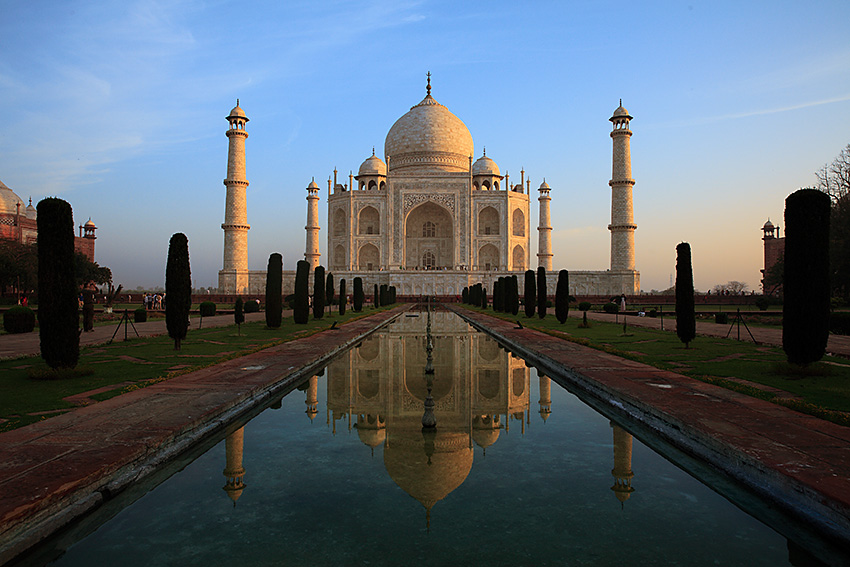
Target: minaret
{"x":622,"y":471}
{"x":544,"y":228}
{"x":233,"y":471}
{"x":311,"y":253}
{"x":233,"y":277}
{"x":622,"y":225}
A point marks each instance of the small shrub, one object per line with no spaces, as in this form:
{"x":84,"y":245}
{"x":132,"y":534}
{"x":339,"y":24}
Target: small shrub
{"x":653,"y":312}
{"x":19,"y":319}
{"x":207,"y":309}
{"x":289,"y":301}
{"x":252,"y":306}
{"x":59,"y":373}
{"x":839,"y":323}
{"x":611,"y":308}
{"x":763,"y":302}
{"x":584,"y":306}
{"x":721,"y":318}
{"x":140,"y":315}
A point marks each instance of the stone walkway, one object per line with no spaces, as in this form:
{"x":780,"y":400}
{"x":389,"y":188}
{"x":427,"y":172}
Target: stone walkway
{"x":58,"y":469}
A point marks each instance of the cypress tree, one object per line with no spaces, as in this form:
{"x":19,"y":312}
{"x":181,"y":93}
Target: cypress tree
{"x":301,"y":308}
{"x":464,"y":296}
{"x":483,"y":297}
{"x":358,"y":295}
{"x":385,"y":294}
{"x":514,"y":294}
{"x":274,"y":291}
{"x":58,"y":304}
{"x":806,"y":282}
{"x":376,"y":298}
{"x":686,"y":325}
{"x":542,"y":298}
{"x":329,"y":290}
{"x":530,"y":293}
{"x":238,"y":315}
{"x":496,"y":285}
{"x":178,"y":288}
{"x":319,"y":292}
{"x":562,"y":296}
{"x":343,"y":299}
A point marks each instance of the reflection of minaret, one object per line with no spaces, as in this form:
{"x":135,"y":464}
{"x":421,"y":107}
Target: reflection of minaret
{"x":545,"y":396}
{"x":233,"y":471}
{"x":622,"y":471}
{"x":312,"y":400}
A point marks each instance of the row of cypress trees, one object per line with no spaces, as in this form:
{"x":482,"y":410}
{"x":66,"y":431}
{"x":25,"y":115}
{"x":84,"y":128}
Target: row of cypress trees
{"x":506,"y":294}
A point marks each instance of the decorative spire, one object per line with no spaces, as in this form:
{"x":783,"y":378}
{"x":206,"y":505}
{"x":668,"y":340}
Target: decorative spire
{"x":373,"y":151}
{"x":237,"y":102}
{"x":485,"y":151}
{"x":428,"y":88}
{"x":621,"y":102}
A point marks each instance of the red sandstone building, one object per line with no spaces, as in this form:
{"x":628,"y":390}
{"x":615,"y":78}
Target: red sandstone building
{"x":18,"y":223}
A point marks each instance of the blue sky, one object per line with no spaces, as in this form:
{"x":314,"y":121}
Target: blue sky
{"x":119,"y":108}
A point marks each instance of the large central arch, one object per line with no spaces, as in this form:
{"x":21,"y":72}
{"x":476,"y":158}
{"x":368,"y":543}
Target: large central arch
{"x":429,"y":237}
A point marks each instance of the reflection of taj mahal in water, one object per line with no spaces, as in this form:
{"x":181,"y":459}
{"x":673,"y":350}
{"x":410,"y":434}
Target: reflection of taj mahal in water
{"x":429,"y":218}
{"x":479,"y":389}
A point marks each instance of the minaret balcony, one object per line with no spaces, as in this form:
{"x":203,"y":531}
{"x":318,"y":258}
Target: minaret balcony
{"x":621,"y":182}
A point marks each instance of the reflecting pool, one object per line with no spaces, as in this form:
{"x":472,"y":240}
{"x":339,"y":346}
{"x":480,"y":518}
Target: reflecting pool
{"x":517,"y":472}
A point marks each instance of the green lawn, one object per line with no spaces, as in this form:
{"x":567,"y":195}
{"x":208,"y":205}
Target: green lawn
{"x":725,"y":362}
{"x":140,"y":362}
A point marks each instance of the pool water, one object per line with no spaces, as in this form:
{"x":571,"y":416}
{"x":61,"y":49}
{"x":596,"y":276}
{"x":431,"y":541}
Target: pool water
{"x":518,"y":472}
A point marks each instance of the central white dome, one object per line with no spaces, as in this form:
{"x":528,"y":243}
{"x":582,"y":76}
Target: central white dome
{"x":429,"y":137}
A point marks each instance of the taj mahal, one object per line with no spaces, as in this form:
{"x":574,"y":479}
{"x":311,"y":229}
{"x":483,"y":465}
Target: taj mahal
{"x":429,"y":218}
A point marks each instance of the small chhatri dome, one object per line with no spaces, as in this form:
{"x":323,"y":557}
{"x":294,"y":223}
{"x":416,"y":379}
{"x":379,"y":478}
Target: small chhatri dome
{"x":768,"y":225}
{"x":31,"y":212}
{"x":237,"y":112}
{"x":89,"y":224}
{"x":621,"y":112}
{"x":485,"y":166}
{"x":544,"y":185}
{"x":373,"y":166}
{"x":313,"y":184}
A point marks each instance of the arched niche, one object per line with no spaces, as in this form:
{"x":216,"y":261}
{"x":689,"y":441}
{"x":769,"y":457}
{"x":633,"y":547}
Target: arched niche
{"x":518,"y":258}
{"x":369,"y":221}
{"x":488,"y":257}
{"x":488,"y":221}
{"x":368,"y":257}
{"x":518,"y":222}
{"x":429,"y":228}
{"x":339,"y":228}
{"x":339,"y":262}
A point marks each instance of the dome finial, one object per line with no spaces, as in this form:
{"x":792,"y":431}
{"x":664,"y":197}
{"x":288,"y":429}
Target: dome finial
{"x":237,"y":102}
{"x":373,"y":150}
{"x":428,"y":88}
{"x":621,"y":102}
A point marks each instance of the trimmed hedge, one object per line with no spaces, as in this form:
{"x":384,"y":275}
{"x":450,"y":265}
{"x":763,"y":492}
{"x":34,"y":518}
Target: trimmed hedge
{"x":252,"y":306}
{"x":207,"y":309}
{"x":140,"y":315}
{"x":839,"y":323}
{"x":19,"y":319}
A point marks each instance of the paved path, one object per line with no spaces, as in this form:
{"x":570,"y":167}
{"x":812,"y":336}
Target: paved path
{"x":55,"y":470}
{"x":27,"y":344}
{"x":797,"y":461}
{"x":838,"y":344}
